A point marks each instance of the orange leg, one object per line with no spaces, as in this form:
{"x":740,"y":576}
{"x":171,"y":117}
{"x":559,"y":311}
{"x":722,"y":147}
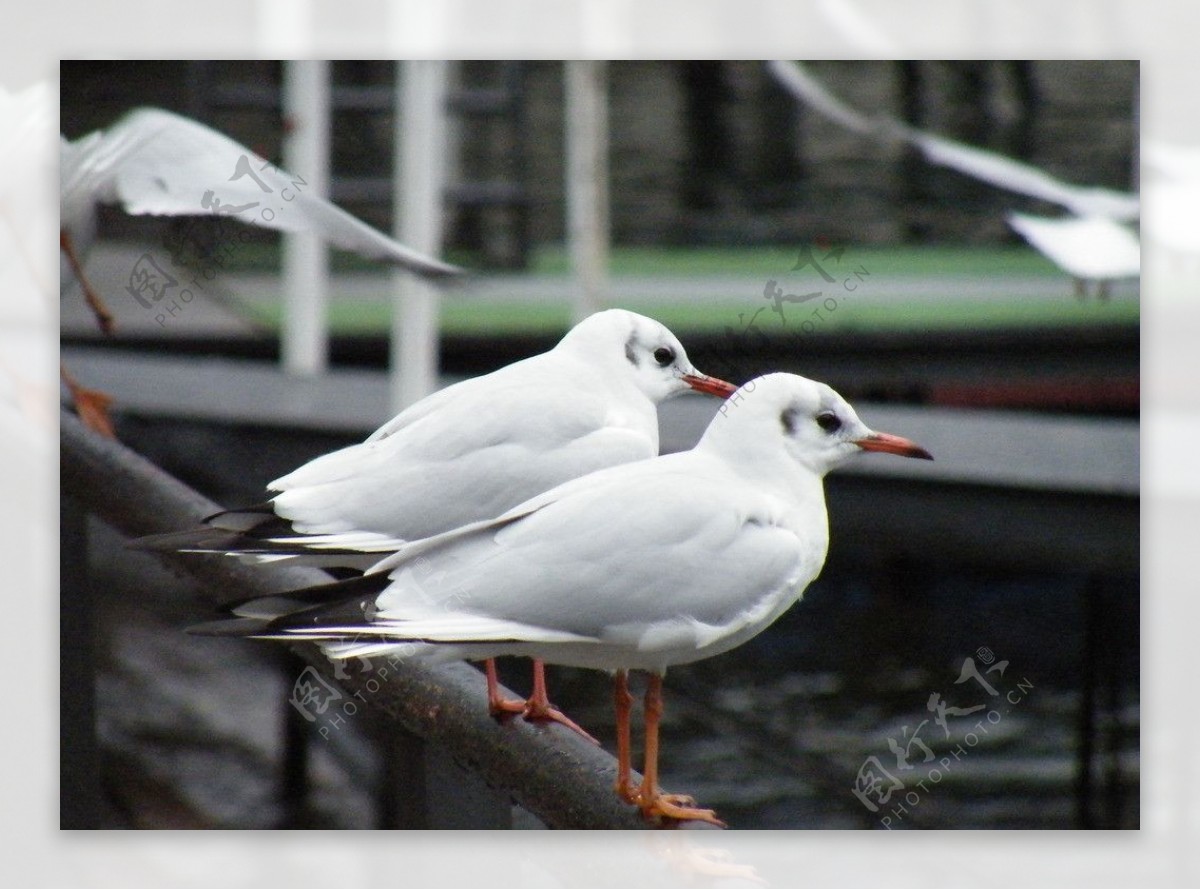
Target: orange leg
{"x":536,"y":707}
{"x":103,"y":316}
{"x":652,"y":801}
{"x":90,"y":404}
{"x":497,"y":705}
{"x":623,"y":702}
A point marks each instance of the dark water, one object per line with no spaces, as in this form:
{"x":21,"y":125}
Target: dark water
{"x":774,"y":734}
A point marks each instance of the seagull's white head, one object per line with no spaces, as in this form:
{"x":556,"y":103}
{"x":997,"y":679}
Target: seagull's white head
{"x":628,"y":346}
{"x":809,"y":422}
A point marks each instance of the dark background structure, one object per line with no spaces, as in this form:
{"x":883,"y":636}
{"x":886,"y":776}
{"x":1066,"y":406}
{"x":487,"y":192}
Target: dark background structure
{"x":702,"y":152}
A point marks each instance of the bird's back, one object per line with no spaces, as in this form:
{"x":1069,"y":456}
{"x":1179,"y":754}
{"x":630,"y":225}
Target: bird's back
{"x":479,"y":448}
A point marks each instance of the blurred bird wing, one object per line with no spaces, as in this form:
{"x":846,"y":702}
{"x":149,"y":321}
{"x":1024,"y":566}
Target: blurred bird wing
{"x":1016,"y":176}
{"x":158,"y":163}
{"x":1089,"y":248}
{"x":987,"y":166}
{"x":797,"y":81}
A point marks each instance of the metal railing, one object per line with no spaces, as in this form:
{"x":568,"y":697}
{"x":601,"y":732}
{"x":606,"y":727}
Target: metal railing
{"x":553,"y":773}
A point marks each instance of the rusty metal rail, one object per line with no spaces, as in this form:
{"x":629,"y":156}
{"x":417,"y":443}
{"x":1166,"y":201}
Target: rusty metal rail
{"x":557,"y":776}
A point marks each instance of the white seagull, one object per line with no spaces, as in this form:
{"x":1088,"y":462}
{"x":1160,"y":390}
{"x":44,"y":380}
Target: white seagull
{"x":641,"y":566}
{"x":155,"y":162}
{"x":1091,"y":244}
{"x":469,"y":452}
{"x":162,"y":164}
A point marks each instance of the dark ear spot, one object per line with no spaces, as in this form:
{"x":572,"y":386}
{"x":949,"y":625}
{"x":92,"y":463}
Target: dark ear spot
{"x":630,"y":352}
{"x":790,"y":418}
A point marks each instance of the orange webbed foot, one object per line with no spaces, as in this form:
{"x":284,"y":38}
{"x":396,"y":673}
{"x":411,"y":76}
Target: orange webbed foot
{"x":676,"y":807}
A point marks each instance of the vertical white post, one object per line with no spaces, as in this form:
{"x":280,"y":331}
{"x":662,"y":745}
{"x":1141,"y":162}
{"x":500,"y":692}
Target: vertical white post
{"x":419,"y":175}
{"x":305,"y":260}
{"x":586,"y":116}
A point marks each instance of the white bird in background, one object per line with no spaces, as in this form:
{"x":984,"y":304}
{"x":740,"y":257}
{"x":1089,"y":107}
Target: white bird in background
{"x":1090,"y":245}
{"x":1088,"y":248}
{"x":641,"y":566}
{"x":159,"y":163}
{"x":470,"y":452}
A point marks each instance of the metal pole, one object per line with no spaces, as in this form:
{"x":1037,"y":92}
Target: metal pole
{"x":293,"y":770}
{"x":419,"y":175}
{"x":586,"y":116}
{"x":305,"y":262}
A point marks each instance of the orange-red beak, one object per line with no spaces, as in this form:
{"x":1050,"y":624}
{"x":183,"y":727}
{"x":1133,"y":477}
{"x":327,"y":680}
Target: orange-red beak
{"x":893,"y":445}
{"x":711,"y":385}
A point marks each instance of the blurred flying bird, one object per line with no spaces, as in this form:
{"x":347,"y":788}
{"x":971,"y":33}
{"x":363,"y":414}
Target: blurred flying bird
{"x":1091,"y":244}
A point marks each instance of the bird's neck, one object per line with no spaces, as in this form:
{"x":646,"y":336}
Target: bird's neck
{"x":615,"y":384}
{"x":804,"y":492}
{"x":798,"y":490}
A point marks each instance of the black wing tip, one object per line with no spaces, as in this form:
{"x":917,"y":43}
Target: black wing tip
{"x":168,"y":542}
{"x":266,"y":508}
{"x":229,"y":627}
{"x":199,"y":540}
{"x":307,"y":599}
{"x":241,"y":521}
{"x":246,"y":530}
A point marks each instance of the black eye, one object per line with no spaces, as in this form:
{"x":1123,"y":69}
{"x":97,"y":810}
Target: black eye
{"x":664,"y":355}
{"x":829,"y":422}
